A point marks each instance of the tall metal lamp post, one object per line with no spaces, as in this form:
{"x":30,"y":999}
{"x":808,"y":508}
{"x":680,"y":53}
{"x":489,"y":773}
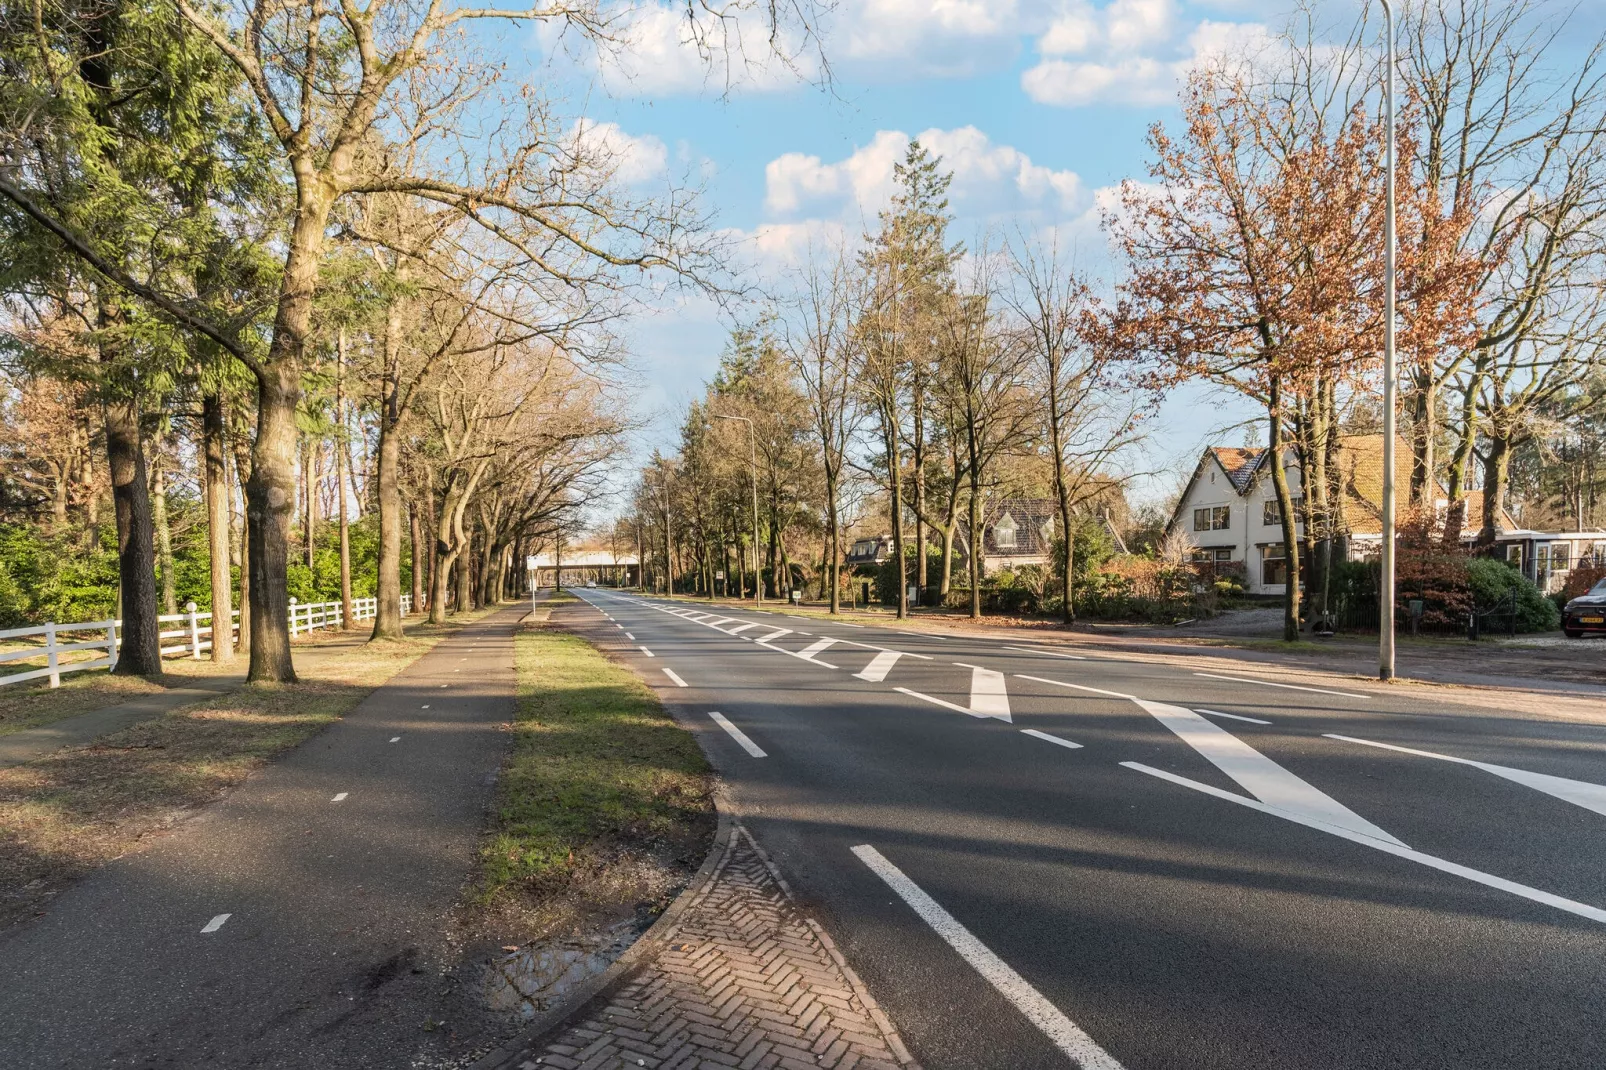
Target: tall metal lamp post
{"x":1385,"y":593}
{"x":752,"y":446}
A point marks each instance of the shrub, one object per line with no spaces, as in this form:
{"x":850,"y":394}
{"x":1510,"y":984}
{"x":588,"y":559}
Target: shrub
{"x":1491,"y":581}
{"x":1580,"y":580}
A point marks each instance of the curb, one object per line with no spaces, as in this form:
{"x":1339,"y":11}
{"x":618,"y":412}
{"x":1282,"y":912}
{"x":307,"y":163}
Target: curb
{"x":657,"y":936}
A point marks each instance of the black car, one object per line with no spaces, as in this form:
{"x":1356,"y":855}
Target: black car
{"x":1586,"y":613}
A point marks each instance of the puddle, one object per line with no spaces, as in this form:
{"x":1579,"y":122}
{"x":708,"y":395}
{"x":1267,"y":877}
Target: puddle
{"x":537,"y":976}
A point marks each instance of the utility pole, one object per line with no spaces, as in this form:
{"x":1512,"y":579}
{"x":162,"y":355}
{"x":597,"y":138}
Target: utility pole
{"x":1385,"y":593}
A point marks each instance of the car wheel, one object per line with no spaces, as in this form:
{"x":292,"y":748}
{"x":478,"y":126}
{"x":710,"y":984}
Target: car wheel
{"x":1573,"y":633}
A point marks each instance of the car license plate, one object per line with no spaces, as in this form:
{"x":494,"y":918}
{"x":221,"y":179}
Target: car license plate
{"x":1592,"y":620}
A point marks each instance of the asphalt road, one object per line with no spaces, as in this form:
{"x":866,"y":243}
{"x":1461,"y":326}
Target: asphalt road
{"x":301,"y":922}
{"x":1179,"y":890}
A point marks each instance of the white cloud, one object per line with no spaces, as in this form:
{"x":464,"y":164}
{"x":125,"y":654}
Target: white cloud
{"x":661,"y":51}
{"x":989,"y":179}
{"x":632,"y":159}
{"x":1128,"y":53}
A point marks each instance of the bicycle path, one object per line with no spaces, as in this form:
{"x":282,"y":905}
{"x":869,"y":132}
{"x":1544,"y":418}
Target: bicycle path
{"x":299,"y":922}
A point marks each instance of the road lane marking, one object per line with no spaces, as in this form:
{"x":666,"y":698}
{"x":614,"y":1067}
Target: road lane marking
{"x":395,"y":739}
{"x":630,"y":637}
{"x":1285,"y":687}
{"x":1046,"y":653}
{"x":716,"y":622}
{"x":446,"y":685}
{"x":816,"y":647}
{"x":1065,"y":1034}
{"x":339,"y":797}
{"x":743,"y":628}
{"x":423,"y":707}
{"x":1231,"y":716}
{"x":1258,"y":774}
{"x":988,"y":695}
{"x":1076,"y":687}
{"x":845,"y":624}
{"x":674,"y":676}
{"x":776,"y":634}
{"x":738,"y":735}
{"x":647,"y":652}
{"x":1489,"y":880}
{"x":1035,"y":734}
{"x":944,"y":703}
{"x":216,"y":923}
{"x":621,"y":627}
{"x":879,"y":666}
{"x":1578,"y":792}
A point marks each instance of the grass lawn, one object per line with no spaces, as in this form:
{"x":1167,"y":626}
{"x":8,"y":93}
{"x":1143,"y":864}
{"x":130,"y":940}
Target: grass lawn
{"x":65,"y":814}
{"x":604,"y":806}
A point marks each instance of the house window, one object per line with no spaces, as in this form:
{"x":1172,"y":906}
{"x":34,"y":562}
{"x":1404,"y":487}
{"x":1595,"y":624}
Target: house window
{"x":1004,"y":533}
{"x":1273,"y":564}
{"x":1212,"y":518}
{"x":1271,"y":516}
{"x":1213,"y":555}
{"x":1559,"y":553}
{"x":1514,"y":554}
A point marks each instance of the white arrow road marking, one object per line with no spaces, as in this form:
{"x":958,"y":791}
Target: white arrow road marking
{"x":1578,"y":792}
{"x":1035,"y":734}
{"x":1391,"y":847}
{"x":988,"y":696}
{"x":879,"y":666}
{"x":216,"y":923}
{"x":1067,"y":1036}
{"x":673,"y":675}
{"x":1258,"y":774}
{"x":738,"y":735}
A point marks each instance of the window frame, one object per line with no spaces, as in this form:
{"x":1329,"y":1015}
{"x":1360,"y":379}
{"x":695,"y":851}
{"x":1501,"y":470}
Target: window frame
{"x":1281,"y":560}
{"x":1207,"y":515}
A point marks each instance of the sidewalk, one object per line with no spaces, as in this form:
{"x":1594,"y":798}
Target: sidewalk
{"x":740,"y":979}
{"x":18,"y":748}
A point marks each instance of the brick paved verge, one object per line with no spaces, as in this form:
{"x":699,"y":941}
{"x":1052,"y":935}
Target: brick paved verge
{"x":739,"y":979}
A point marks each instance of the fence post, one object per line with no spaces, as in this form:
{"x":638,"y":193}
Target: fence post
{"x":111,"y":644}
{"x":50,"y":653}
{"x":292,"y":616}
{"x":195,"y":631}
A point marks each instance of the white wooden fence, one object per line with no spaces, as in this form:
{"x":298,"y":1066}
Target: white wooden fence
{"x":194,"y":636}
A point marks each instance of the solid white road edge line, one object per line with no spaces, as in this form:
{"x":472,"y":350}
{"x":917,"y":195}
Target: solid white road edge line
{"x":1046,"y":653}
{"x":1583,"y":910}
{"x":738,"y":735}
{"x":674,"y":676}
{"x":647,"y":652}
{"x":216,"y":923}
{"x":1035,"y":734}
{"x":1066,"y":1035}
{"x":1285,"y":687}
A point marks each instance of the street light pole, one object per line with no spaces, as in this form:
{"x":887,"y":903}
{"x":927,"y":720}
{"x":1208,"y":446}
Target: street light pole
{"x":752,"y":449}
{"x":1385,"y":594}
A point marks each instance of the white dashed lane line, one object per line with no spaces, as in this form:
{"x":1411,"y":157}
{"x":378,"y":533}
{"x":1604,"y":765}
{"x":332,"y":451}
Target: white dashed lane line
{"x":647,"y":652}
{"x":395,"y":739}
{"x":674,"y":676}
{"x":216,"y":923}
{"x":630,"y":637}
{"x":340,"y":797}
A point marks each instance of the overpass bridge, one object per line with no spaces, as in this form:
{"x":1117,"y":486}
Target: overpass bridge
{"x":576,"y":567}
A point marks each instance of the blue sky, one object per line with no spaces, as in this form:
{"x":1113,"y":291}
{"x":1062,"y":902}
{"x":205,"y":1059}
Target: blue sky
{"x":1037,"y":105}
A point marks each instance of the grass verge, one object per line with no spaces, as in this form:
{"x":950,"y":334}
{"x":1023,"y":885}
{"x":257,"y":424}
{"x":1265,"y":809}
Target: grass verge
{"x":69,"y":812}
{"x":604,"y":807}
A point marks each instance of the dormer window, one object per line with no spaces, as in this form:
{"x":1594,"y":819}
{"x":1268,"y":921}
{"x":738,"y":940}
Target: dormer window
{"x":1004,"y":533}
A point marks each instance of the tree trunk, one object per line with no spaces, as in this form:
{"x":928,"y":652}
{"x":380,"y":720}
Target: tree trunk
{"x":1424,"y":417}
{"x":465,"y":576}
{"x":1285,"y":504}
{"x":347,"y":610}
{"x":215,"y":475}
{"x":141,"y":653}
{"x":978,"y":537}
{"x":270,"y":504}
{"x":309,"y":513}
{"x":164,"y":538}
{"x":1455,"y":479}
{"x":387,"y":609}
{"x":895,"y":478}
{"x":416,"y":531}
{"x":1496,"y":478}
{"x":242,"y":476}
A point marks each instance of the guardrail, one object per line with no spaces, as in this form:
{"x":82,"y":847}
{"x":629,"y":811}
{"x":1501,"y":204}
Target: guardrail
{"x":194,"y":633}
